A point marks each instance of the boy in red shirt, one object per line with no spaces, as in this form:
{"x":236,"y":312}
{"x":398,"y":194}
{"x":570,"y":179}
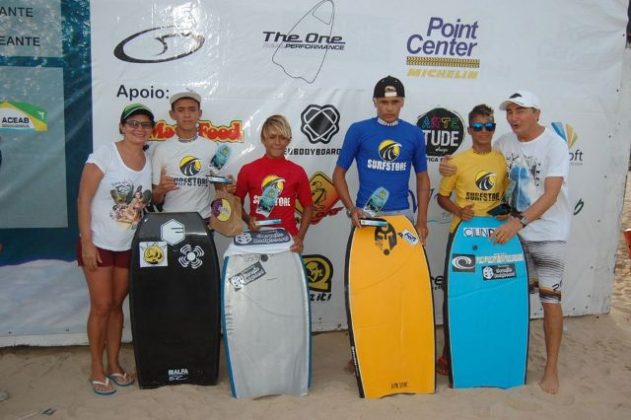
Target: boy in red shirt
{"x":274,"y":183}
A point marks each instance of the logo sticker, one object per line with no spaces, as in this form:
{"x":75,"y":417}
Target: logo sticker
{"x":386,"y":238}
{"x":153,"y":254}
{"x":410,"y":237}
{"x":320,"y":123}
{"x":191,"y":256}
{"x":172,"y":232}
{"x":262,"y":237}
{"x":177,"y":375}
{"x":499,"y":272}
{"x":248,"y":275}
{"x":463,"y":263}
{"x":22,"y":116}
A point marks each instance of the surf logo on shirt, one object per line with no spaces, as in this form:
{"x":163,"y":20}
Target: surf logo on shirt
{"x":524,"y":176}
{"x":485,"y":180}
{"x":190,"y":165}
{"x":386,"y":238}
{"x":389,"y":151}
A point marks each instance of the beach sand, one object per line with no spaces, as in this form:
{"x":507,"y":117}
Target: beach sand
{"x":595,"y":373}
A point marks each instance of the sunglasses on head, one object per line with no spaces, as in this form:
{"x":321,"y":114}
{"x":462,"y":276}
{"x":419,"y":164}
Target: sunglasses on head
{"x":489,"y":126}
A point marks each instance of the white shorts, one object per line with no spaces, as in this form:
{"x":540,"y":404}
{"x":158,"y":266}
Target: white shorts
{"x":546,"y":262}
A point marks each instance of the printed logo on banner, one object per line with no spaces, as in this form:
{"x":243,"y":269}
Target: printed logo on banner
{"x":320,"y":123}
{"x":153,"y":254}
{"x":463,"y":263}
{"x":444,"y":132}
{"x":499,"y":272}
{"x":301,"y":51}
{"x":22,"y":116}
{"x":445,"y":49}
{"x":386,"y":238}
{"x":172,"y":232}
{"x":160,"y":44}
{"x":320,"y":274}
{"x":191,"y":256}
{"x":232,"y":133}
{"x":578,"y":207}
{"x":324,"y":198}
{"x":567,"y":133}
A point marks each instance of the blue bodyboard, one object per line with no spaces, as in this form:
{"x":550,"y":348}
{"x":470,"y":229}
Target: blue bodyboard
{"x":487,"y":307}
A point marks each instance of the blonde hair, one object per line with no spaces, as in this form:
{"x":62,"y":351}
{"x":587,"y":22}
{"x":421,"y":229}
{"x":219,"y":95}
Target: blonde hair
{"x":276,"y":124}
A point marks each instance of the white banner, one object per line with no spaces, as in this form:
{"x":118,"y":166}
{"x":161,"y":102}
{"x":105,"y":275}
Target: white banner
{"x":317,"y":62}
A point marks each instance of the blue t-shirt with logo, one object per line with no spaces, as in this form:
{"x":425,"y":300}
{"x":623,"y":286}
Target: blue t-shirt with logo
{"x":384,"y":155}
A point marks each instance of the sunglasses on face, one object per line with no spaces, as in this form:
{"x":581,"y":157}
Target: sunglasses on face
{"x":139,"y":124}
{"x":489,"y":126}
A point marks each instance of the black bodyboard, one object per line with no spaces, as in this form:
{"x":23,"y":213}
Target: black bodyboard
{"x":174,"y":301}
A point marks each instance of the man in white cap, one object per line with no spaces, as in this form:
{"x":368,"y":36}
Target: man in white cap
{"x":538,"y":166}
{"x":182,"y":164}
{"x":385,"y":148}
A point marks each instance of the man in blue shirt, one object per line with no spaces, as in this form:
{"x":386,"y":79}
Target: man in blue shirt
{"x":385,"y":149}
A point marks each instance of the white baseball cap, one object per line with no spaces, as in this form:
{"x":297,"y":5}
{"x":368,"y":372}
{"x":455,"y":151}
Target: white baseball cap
{"x":522,"y":98}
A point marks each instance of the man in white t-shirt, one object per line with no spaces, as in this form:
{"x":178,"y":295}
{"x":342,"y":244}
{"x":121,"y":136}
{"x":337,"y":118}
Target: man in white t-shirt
{"x":538,"y":165}
{"x":182,"y":164}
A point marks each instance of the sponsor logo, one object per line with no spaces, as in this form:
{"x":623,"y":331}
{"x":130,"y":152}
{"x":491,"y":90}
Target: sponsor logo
{"x":221,"y":209}
{"x":191,"y":256}
{"x":301,"y":52}
{"x":22,"y":116}
{"x":389,"y":150}
{"x":499,"y":272}
{"x":438,"y":282}
{"x":409,"y":237}
{"x":444,"y":132}
{"x":386,"y":238}
{"x":485,"y":180}
{"x":160,"y":44}
{"x":446,"y":49}
{"x":271,"y":188}
{"x":319,"y":274}
{"x":263,"y":237}
{"x":463,"y":263}
{"x":153,"y":254}
{"x":176,"y":375}
{"x":190,"y":165}
{"x":249,"y":274}
{"x":324,"y":198}
{"x":320,"y":123}
{"x":172,"y":232}
{"x":219,"y":133}
{"x":478,"y":232}
{"x":500,"y":258}
{"x":579,"y":206}
{"x":567,"y":133}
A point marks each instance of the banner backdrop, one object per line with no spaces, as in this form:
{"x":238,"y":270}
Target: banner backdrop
{"x":316,"y":62}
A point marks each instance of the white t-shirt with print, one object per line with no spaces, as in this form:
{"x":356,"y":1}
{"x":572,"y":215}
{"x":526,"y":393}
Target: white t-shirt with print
{"x":529,"y":164}
{"x":119,"y":200}
{"x":188,"y":163}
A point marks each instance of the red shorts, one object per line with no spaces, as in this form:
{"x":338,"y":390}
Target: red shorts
{"x":109,"y":258}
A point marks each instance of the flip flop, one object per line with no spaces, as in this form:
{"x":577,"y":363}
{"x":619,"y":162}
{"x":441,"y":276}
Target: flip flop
{"x":106,"y":383}
{"x":121,"y":379}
